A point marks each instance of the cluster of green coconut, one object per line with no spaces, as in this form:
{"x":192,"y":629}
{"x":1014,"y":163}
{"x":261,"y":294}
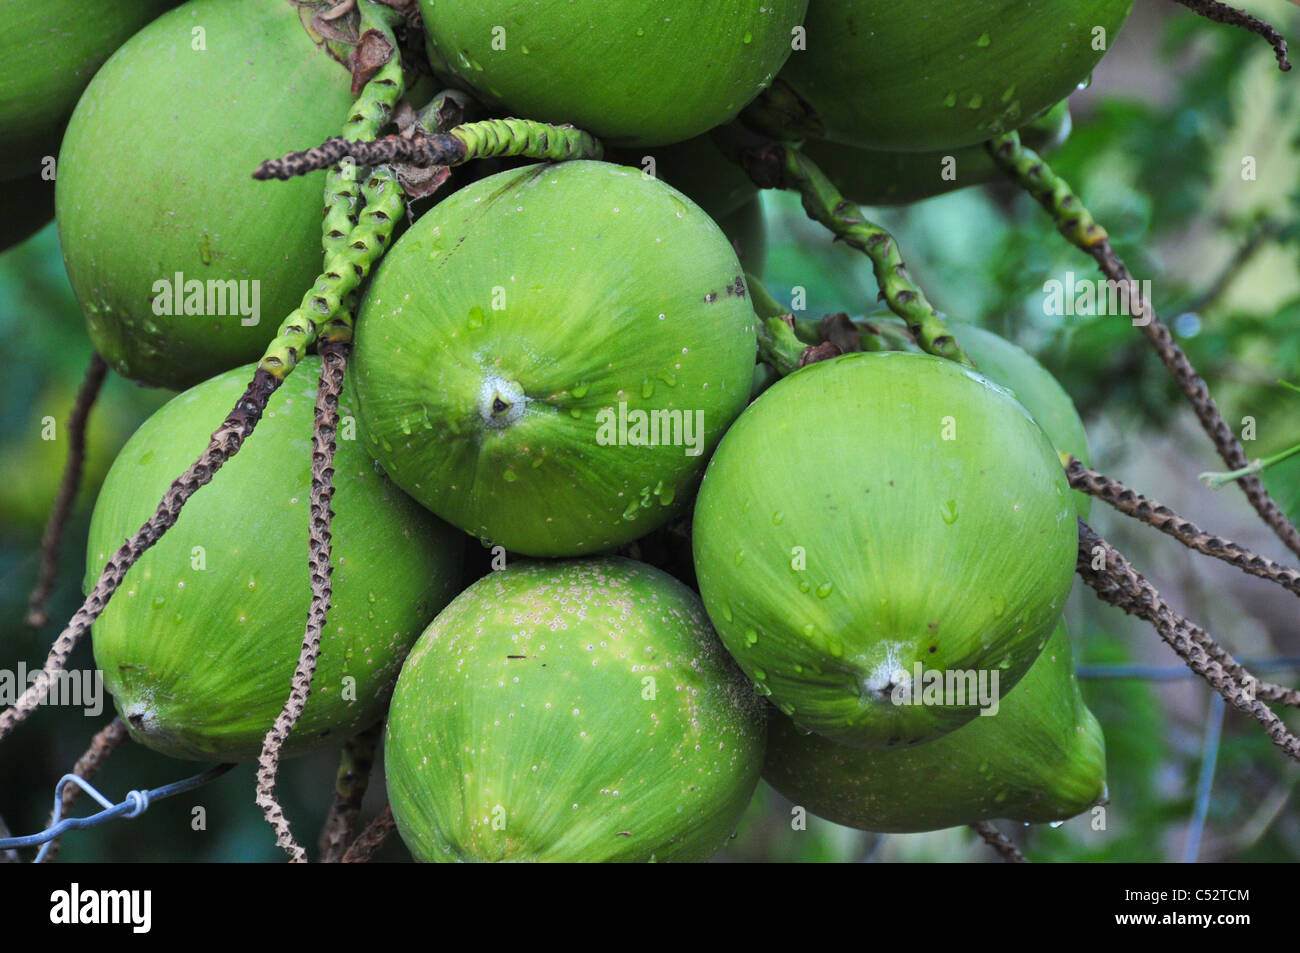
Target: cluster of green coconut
{"x":557,"y":362}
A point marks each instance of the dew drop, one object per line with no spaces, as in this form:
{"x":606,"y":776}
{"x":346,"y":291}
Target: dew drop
{"x":983,"y":41}
{"x":740,"y":556}
{"x":824,"y":590}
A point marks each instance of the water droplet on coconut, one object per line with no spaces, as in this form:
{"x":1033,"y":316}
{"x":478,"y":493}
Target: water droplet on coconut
{"x":984,"y":40}
{"x":950,"y":100}
{"x":751,"y":637}
{"x":740,"y":556}
{"x":824,"y":590}
{"x":647,"y":388}
{"x":778,"y":518}
{"x":159,"y":601}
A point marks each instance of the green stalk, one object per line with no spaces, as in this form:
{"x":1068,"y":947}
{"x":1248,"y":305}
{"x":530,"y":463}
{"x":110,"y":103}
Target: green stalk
{"x":1218,"y":480}
{"x":488,"y":139}
{"x":349,"y":250}
{"x":824,"y":204}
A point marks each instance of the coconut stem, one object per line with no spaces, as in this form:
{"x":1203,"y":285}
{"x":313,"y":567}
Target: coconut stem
{"x":1223,"y":13}
{"x":37,"y":613}
{"x":781,"y":165}
{"x":1076,"y":223}
{"x":1115,"y":580}
{"x":1131,"y":503}
{"x":224,"y":444}
{"x":107,"y":740}
{"x":350,"y":787}
{"x":350,"y":251}
{"x":334,"y":359}
{"x":999,"y":842}
{"x":372,"y":838}
{"x":491,"y":138}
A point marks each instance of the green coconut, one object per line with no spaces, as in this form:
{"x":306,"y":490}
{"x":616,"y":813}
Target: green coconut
{"x":49,"y":50}
{"x":876,"y":512}
{"x":1040,"y":758}
{"x":199,"y":646}
{"x":547,"y":357}
{"x":571,"y":711}
{"x":155,"y":194}
{"x":635,"y":72}
{"x":873,"y":177}
{"x":937,"y":75}
{"x":1034,"y":386}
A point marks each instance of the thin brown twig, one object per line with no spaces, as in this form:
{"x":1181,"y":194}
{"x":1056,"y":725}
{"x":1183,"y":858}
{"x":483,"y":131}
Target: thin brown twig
{"x":37,"y":612}
{"x":1223,"y":13}
{"x":1115,"y":580}
{"x":334,"y":355}
{"x":349,"y":791}
{"x":224,"y":444}
{"x":372,"y":838}
{"x":1132,"y":503}
{"x":1076,"y":223}
{"x":999,"y":842}
{"x":1198,"y":394}
{"x":107,"y":740}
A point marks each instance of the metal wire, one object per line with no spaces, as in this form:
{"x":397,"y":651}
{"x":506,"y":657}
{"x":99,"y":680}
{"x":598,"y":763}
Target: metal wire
{"x":1173,"y":672}
{"x":1209,"y":760}
{"x":135,"y":804}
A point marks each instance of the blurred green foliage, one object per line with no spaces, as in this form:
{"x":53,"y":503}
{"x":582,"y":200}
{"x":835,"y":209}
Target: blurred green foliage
{"x":1164,"y":176}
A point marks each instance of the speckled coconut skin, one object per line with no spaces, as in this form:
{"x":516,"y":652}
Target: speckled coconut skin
{"x":632,"y":72}
{"x":581,"y":710}
{"x":1040,"y":759}
{"x":874,"y":512}
{"x":199,"y":645}
{"x":940,"y":74}
{"x":155,"y":179}
{"x":568,"y":291}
